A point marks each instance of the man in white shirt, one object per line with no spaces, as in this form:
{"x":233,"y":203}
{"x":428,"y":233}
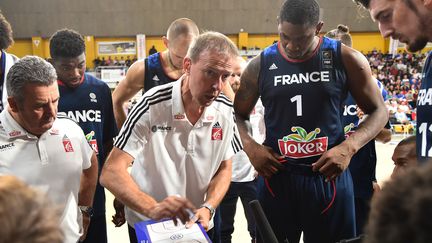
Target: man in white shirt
{"x":46,"y":151}
{"x":181,"y":137}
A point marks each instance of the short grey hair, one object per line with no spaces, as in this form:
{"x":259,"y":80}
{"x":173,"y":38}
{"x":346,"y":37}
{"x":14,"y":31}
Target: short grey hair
{"x":29,"y":70}
{"x":212,"y":41}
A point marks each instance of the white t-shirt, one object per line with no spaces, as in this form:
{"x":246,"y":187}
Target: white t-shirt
{"x":171,"y":156}
{"x":242,"y":169}
{"x":52,"y":163}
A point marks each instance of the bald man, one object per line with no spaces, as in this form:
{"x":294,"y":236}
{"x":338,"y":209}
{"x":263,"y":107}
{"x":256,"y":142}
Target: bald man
{"x":157,"y":69}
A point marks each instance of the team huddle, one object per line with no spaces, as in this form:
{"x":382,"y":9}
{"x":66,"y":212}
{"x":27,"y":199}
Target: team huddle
{"x":294,"y":128}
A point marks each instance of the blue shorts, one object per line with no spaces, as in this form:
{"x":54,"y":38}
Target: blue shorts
{"x":299,"y":200}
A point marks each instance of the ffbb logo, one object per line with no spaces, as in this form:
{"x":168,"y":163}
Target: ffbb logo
{"x":302,"y":144}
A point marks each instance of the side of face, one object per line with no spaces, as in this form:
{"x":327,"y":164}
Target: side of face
{"x":37,"y":112}
{"x":403,"y":157}
{"x":397,"y":20}
{"x":207,"y":75}
{"x":234,"y":79}
{"x":70,"y":70}
{"x":178,"y":49}
{"x":297,"y":40}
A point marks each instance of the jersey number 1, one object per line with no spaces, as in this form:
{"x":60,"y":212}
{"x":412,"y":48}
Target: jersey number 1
{"x":298,"y":100}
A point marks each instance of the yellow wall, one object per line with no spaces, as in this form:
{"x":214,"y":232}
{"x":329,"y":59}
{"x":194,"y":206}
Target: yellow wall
{"x":21,"y":48}
{"x":362,"y":41}
{"x":262,"y":41}
{"x":366,"y":42}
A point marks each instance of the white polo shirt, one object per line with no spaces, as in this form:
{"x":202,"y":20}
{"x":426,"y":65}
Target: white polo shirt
{"x":171,"y":155}
{"x":52,"y":163}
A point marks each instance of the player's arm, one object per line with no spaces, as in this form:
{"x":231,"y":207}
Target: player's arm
{"x":88,"y":183}
{"x":87,"y":190}
{"x":368,"y":97}
{"x":264,"y":159}
{"x":126,"y":89}
{"x":216,"y":191}
{"x":118,"y":181}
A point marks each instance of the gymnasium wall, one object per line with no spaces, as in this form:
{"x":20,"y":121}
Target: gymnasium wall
{"x":115,"y":18}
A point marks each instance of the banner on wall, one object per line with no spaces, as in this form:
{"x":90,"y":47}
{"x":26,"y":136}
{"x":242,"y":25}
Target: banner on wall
{"x":116,"y":48}
{"x":141,"y":48}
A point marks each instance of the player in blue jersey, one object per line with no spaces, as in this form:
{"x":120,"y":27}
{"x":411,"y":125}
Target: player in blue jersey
{"x":6,"y":59}
{"x":87,"y":100}
{"x":159,"y":68}
{"x":302,"y":81}
{"x":410,"y":21}
{"x":363,"y":163}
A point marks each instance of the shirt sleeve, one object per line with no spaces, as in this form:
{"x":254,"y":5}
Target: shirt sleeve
{"x":134,"y":132}
{"x":236,"y":144}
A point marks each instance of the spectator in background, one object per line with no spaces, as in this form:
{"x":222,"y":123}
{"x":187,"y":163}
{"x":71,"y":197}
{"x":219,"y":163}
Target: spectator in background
{"x":6,"y":59}
{"x":27,"y":215}
{"x":152,"y":50}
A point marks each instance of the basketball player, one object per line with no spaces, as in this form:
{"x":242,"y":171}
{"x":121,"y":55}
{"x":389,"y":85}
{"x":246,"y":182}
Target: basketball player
{"x":302,"y":81}
{"x":159,"y":68}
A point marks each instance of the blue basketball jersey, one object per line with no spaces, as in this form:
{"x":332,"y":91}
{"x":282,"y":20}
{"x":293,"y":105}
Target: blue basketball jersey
{"x":154,"y":73}
{"x":90,"y":105}
{"x":424,"y":114}
{"x":303,"y":101}
{"x":363,"y":163}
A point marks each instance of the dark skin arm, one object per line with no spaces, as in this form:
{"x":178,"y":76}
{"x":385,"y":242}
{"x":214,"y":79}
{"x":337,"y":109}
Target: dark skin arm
{"x":366,"y":93}
{"x":263,"y":158}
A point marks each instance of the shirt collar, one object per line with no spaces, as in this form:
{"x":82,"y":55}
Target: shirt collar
{"x":178,"y":111}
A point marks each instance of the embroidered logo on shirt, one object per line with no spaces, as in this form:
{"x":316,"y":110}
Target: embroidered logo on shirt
{"x":216,"y":132}
{"x":14,"y":133}
{"x":273,"y":67}
{"x":302,"y":144}
{"x":156,"y":128}
{"x":93,"y":97}
{"x":179,"y":116}
{"x":349,"y":130}
{"x":67,"y":144}
{"x":92,"y":142}
{"x":8,"y":146}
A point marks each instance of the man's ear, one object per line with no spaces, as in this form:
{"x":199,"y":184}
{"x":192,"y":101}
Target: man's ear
{"x":319,"y":27}
{"x":165,"y":41}
{"x":13,"y":104}
{"x":187,"y":63}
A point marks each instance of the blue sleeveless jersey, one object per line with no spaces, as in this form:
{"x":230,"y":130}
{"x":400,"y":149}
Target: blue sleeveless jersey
{"x":90,"y":105}
{"x":303,"y":101}
{"x":154,"y":73}
{"x":424,"y":114}
{"x":363,"y":163}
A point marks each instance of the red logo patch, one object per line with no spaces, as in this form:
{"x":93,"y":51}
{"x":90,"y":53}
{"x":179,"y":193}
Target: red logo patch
{"x":179,"y":117}
{"x":217,"y":132}
{"x":94,"y":146}
{"x":302,"y":144}
{"x":67,"y":144}
{"x":14,"y":133}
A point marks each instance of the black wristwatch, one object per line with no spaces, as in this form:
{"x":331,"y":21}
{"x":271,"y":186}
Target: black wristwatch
{"x":87,"y":210}
{"x":210,"y":208}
